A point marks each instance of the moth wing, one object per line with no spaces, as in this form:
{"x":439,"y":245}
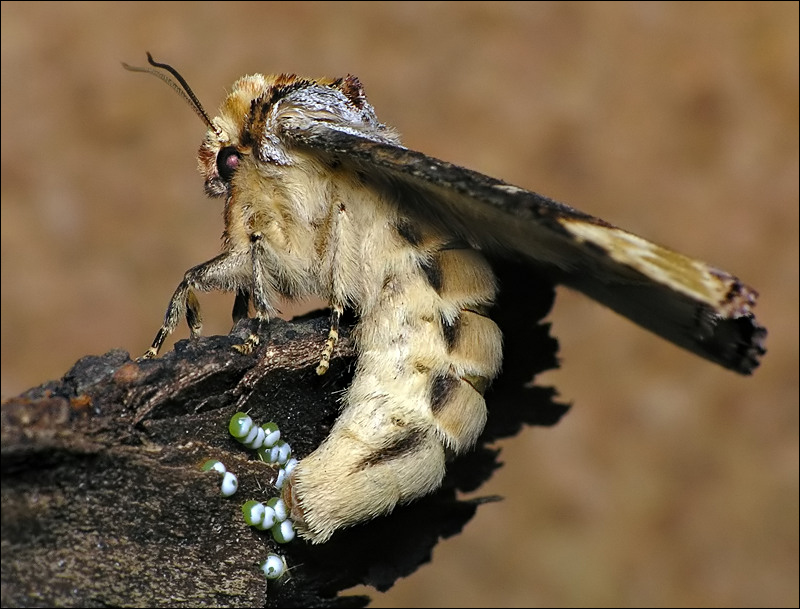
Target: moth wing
{"x":686,"y":301}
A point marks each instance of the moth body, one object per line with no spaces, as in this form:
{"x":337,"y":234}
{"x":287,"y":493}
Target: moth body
{"x":300,"y":225}
{"x":322,"y":200}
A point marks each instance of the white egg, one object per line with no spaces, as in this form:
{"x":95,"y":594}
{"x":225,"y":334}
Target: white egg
{"x":229,"y":484}
{"x":283,"y":532}
{"x":274,"y":566}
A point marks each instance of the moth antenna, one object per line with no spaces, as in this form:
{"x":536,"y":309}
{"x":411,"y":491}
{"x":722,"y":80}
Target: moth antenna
{"x":182,"y":88}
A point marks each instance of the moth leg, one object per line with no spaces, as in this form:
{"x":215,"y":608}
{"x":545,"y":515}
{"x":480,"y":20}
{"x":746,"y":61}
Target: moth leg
{"x":263,"y":292}
{"x":252,"y":341}
{"x":241,"y":305}
{"x":193,"y":317}
{"x":333,"y":338}
{"x":219,"y":273}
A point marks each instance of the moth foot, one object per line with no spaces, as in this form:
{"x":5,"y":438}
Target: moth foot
{"x":247,"y":347}
{"x":149,"y":354}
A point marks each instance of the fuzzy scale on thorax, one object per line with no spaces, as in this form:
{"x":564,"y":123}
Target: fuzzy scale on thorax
{"x":326,"y":234}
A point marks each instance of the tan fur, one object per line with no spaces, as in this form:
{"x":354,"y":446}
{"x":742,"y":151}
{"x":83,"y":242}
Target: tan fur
{"x":467,"y":277}
{"x":326,"y":234}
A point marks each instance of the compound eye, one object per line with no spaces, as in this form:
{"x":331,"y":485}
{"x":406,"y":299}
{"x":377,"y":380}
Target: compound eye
{"x":227,"y":163}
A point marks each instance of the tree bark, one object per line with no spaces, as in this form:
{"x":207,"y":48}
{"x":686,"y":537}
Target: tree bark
{"x":104,"y":502}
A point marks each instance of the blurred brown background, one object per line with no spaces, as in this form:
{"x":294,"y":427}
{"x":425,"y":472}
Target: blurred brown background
{"x":671,"y":482}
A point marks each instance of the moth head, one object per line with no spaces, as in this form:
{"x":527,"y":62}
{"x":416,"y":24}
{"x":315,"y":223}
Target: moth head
{"x":260,"y":119}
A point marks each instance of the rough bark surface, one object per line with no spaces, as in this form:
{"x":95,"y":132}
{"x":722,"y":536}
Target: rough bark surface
{"x":104,"y":503}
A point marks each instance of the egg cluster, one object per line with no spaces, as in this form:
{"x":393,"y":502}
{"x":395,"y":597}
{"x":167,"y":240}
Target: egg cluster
{"x":272,"y":515}
{"x":266,"y":441}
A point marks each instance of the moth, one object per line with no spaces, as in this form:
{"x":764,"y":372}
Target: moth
{"x":321,"y":199}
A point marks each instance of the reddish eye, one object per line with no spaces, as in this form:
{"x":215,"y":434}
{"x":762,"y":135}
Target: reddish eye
{"x":227,"y":163}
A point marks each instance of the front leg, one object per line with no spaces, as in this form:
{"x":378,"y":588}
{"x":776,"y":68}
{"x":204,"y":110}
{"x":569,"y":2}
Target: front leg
{"x":226,"y":272}
{"x":263,"y":293}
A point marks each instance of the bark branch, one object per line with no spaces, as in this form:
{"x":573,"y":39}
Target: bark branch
{"x":104,"y":504}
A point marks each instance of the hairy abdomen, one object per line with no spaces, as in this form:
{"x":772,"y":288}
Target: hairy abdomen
{"x":426,"y":352}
